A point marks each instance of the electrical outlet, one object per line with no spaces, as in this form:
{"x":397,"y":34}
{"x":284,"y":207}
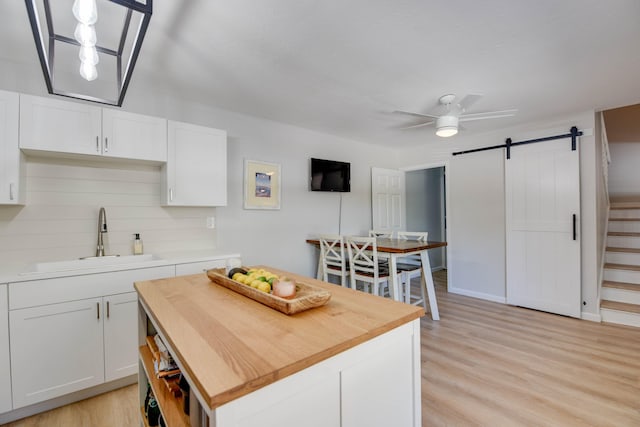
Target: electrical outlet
{"x":211,"y":222}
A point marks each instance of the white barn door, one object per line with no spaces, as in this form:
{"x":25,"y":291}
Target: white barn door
{"x":542,"y":183}
{"x":387,"y":199}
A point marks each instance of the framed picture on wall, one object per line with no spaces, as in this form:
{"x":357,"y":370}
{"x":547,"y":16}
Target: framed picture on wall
{"x":261,"y":185}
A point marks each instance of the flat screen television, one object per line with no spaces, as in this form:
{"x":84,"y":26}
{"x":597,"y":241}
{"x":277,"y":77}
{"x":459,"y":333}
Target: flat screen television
{"x":330,"y":175}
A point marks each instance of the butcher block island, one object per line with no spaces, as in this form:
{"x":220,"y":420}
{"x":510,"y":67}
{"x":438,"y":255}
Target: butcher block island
{"x":353,"y":361}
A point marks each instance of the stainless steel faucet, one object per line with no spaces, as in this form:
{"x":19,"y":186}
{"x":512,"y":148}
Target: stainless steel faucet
{"x":102,"y":228}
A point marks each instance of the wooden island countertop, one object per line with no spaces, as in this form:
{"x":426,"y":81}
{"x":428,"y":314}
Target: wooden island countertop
{"x":230,"y":345}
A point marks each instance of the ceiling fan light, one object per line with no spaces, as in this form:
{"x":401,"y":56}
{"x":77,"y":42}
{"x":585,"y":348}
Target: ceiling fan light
{"x":446,"y":131}
{"x":447,"y":126}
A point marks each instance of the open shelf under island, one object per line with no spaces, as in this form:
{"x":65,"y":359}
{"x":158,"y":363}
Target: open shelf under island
{"x":351,"y":362}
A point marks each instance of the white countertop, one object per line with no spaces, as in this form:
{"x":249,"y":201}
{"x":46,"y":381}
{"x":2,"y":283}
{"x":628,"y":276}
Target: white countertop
{"x":24,"y":273}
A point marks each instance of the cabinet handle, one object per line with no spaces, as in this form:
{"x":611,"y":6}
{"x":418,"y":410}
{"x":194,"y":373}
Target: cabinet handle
{"x":107,"y":309}
{"x":171,"y":194}
{"x":97,"y":144}
{"x":575,"y":231}
{"x":106,"y":144}
{"x":11,"y":191}
{"x":98,"y":309}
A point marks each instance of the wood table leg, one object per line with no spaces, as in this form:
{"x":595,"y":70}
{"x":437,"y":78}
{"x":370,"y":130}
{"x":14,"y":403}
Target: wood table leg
{"x":428,"y":284}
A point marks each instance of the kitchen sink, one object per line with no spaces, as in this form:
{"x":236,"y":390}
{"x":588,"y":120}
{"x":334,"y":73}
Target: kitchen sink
{"x":90,"y":262}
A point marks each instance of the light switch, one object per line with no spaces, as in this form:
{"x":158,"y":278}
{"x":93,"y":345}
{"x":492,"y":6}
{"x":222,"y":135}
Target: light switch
{"x":211,"y":222}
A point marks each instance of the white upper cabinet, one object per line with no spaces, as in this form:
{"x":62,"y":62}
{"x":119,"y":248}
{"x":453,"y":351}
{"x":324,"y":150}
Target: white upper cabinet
{"x":59,"y":126}
{"x":75,"y":128}
{"x":11,"y":159}
{"x":196,"y":170}
{"x":133,"y":136}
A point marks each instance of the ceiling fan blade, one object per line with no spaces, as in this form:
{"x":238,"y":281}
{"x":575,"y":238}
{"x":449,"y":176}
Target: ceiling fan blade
{"x":488,"y":115}
{"x":469,"y":100}
{"x":419,"y":125}
{"x":429,"y":116}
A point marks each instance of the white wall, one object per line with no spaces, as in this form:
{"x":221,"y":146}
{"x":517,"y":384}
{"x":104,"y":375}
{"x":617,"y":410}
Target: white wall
{"x":476,"y":216}
{"x":624,"y":173}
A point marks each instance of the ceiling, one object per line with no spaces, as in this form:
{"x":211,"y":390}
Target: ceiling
{"x":342,"y":67}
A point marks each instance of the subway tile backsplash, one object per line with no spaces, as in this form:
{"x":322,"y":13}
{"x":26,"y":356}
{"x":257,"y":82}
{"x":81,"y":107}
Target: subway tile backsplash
{"x":59,"y":220}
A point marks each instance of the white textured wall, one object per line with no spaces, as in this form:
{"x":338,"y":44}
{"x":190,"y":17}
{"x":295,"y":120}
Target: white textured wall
{"x":59,"y":220}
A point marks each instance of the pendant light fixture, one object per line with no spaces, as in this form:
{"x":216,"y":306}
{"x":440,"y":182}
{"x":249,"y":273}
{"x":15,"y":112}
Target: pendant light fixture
{"x":86,"y":12}
{"x":105,"y":69}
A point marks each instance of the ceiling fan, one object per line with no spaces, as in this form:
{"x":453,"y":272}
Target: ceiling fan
{"x":447,"y":124}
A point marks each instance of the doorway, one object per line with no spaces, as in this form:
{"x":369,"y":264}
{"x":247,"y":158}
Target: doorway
{"x":426,"y":208}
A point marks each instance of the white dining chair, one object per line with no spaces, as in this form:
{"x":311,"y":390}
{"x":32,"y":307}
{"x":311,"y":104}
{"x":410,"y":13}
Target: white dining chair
{"x":411,"y":267}
{"x":333,"y":257}
{"x":364,"y":266}
{"x":382,"y":234}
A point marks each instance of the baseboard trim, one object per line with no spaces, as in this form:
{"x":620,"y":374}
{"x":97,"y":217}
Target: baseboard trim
{"x":479,"y":295}
{"x":592,"y":317}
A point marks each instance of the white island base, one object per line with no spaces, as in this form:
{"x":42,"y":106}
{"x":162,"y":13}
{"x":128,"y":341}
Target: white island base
{"x":374,"y":383}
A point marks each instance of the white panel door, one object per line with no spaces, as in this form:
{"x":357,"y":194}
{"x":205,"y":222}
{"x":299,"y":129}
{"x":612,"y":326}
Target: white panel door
{"x":120,"y":335}
{"x":387,"y":199}
{"x":55,"y":349}
{"x":542,"y":220}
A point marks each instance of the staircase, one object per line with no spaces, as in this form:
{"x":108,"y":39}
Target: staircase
{"x":620,"y":296}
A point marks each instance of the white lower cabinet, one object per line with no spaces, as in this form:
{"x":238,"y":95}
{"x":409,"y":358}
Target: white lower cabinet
{"x":91,"y":337}
{"x":120,"y":336}
{"x":5,"y":367}
{"x":375,"y":384}
{"x":55,"y":349}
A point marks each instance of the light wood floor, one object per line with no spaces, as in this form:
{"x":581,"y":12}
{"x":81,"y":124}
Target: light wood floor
{"x":483,"y":364}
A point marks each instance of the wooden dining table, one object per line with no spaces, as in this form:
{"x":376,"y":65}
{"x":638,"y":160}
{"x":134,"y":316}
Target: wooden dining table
{"x":392,"y":249}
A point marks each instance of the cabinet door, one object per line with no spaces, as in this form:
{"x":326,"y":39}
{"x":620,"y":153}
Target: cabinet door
{"x":59,"y":126}
{"x":133,"y":136}
{"x":379,"y":390}
{"x":120,"y":335}
{"x":196,"y":169}
{"x":11,"y":160}
{"x":55,"y":349}
{"x":5,"y":369}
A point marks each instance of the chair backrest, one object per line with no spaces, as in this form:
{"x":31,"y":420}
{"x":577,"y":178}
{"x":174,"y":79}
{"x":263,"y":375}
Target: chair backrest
{"x":363,"y":256}
{"x":380,"y":233}
{"x":332,"y":251}
{"x":420,"y":236}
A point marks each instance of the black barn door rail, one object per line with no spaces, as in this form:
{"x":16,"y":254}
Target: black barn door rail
{"x":574,"y":134}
